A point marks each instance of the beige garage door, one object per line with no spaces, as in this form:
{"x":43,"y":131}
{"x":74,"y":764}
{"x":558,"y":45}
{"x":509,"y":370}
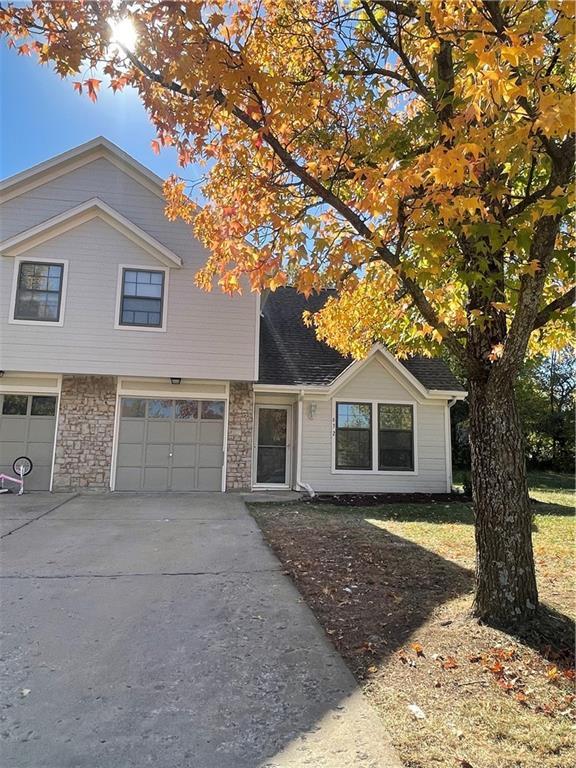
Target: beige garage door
{"x":170,"y":445}
{"x":27,"y":426}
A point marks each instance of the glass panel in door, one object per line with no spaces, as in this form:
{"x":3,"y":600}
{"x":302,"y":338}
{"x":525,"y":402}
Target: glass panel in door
{"x":272,"y":434}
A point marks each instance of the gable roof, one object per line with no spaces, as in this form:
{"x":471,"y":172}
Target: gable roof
{"x":80,"y":214}
{"x":290,"y":353}
{"x":77,"y":157}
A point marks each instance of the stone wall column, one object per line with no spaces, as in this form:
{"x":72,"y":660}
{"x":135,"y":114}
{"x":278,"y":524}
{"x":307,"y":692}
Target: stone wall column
{"x":240,"y":426}
{"x":85,"y":433}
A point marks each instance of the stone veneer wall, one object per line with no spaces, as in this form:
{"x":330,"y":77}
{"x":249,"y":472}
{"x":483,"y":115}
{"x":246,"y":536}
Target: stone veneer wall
{"x":85,"y":433}
{"x":240,"y":424}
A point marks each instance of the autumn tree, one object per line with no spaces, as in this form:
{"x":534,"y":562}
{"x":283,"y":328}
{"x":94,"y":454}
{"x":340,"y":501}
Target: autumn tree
{"x":416,"y":155}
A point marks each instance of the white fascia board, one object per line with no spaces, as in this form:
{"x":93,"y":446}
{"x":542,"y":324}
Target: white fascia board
{"x":447,"y":394}
{"x":351,"y":371}
{"x":55,"y":167}
{"x":80,"y":214}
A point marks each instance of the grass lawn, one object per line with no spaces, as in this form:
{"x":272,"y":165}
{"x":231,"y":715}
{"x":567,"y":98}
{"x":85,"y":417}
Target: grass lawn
{"x":392,"y":587}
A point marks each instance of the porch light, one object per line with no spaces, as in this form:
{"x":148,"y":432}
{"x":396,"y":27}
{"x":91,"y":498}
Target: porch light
{"x":312,"y":410}
{"x":175,"y":379}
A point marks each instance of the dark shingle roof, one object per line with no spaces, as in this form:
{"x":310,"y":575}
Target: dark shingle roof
{"x":291,"y":354}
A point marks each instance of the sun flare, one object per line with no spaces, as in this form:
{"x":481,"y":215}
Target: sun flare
{"x":123,"y":33}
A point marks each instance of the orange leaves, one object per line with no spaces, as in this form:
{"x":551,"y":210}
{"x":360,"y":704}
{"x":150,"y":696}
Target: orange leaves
{"x":118,"y":83}
{"x":417,"y":648}
{"x":449,"y":663}
{"x":92,"y":86}
{"x":372,"y":151}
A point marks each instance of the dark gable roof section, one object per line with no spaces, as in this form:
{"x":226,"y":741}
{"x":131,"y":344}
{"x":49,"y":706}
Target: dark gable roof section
{"x":290,"y":353}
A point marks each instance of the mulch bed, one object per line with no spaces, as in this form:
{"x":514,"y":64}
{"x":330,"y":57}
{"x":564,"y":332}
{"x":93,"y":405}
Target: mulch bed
{"x":377,"y":499}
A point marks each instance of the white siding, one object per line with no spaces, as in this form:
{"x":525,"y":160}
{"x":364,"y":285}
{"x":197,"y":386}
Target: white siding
{"x":374,"y":382}
{"x":209,"y":335}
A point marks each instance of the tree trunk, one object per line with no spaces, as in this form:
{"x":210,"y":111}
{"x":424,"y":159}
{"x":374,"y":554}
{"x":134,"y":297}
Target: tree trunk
{"x":506,"y":591}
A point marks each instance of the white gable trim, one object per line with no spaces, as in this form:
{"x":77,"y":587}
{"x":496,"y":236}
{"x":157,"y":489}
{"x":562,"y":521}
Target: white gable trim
{"x":76,"y":158}
{"x":74,"y":217}
{"x":393,"y":366}
{"x":389,"y":362}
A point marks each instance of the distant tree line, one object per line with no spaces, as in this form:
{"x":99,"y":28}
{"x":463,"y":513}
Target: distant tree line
{"x":546,"y":402}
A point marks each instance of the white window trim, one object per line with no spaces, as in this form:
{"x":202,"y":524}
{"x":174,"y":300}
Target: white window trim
{"x":53,"y":323}
{"x":375,"y":470}
{"x":146,"y":268}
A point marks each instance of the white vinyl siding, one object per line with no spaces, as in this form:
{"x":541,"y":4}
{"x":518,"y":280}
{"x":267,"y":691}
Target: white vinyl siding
{"x":208,"y":335}
{"x":374,"y":383}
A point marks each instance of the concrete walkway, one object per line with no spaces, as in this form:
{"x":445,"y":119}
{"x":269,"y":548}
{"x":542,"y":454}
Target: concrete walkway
{"x":160,"y":631}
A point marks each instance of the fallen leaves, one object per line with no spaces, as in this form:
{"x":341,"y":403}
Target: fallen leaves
{"x":449,"y":663}
{"x":417,"y":648}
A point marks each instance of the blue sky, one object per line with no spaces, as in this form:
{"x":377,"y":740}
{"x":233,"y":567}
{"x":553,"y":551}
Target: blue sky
{"x":41,"y":116}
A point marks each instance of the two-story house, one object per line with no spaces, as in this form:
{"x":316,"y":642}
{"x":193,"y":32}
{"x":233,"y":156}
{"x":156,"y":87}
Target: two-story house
{"x":118,"y":373}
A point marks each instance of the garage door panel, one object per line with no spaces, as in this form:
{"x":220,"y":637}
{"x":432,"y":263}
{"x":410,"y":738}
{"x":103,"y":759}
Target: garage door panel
{"x":38,"y":479}
{"x":13,"y":428}
{"x":186,"y":432}
{"x":185,"y":456}
{"x":210,"y":456}
{"x":132,"y":431}
{"x":155,"y":479}
{"x":40,"y":453}
{"x":128,"y":478}
{"x":159,"y":431}
{"x":183,"y":479}
{"x":41,"y":430}
{"x":209,"y":479}
{"x":157,"y":455}
{"x":212,"y":432}
{"x":130,"y":454}
{"x":10,"y":451}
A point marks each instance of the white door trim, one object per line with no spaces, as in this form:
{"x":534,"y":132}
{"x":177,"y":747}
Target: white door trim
{"x":272,"y":486}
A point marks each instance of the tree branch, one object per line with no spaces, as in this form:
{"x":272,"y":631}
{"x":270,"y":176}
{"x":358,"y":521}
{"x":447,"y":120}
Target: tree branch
{"x":558,"y":305}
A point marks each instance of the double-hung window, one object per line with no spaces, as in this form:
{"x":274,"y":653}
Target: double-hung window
{"x":142,"y":298}
{"x":395,"y":437}
{"x":374,"y":437}
{"x":353,"y":436}
{"x":39,"y":292}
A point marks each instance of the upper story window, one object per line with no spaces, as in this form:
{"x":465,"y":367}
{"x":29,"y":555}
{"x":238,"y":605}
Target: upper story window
{"x":39,"y":292}
{"x":142,"y":298}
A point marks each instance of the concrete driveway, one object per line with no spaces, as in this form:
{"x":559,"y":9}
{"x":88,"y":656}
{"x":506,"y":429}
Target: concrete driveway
{"x":160,"y":631}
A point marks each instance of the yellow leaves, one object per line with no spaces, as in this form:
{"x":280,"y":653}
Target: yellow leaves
{"x":531,"y":268}
{"x":511,"y":54}
{"x":496,"y":352}
{"x":374,"y":143}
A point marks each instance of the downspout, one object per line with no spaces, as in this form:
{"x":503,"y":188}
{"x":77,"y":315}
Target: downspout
{"x":449,"y":446}
{"x":299,"y":484}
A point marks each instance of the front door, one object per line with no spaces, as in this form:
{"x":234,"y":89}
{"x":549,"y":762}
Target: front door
{"x":272,"y":445}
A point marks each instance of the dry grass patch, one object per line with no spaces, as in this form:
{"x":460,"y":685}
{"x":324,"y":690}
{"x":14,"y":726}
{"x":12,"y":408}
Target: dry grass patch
{"x":392,"y":587}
